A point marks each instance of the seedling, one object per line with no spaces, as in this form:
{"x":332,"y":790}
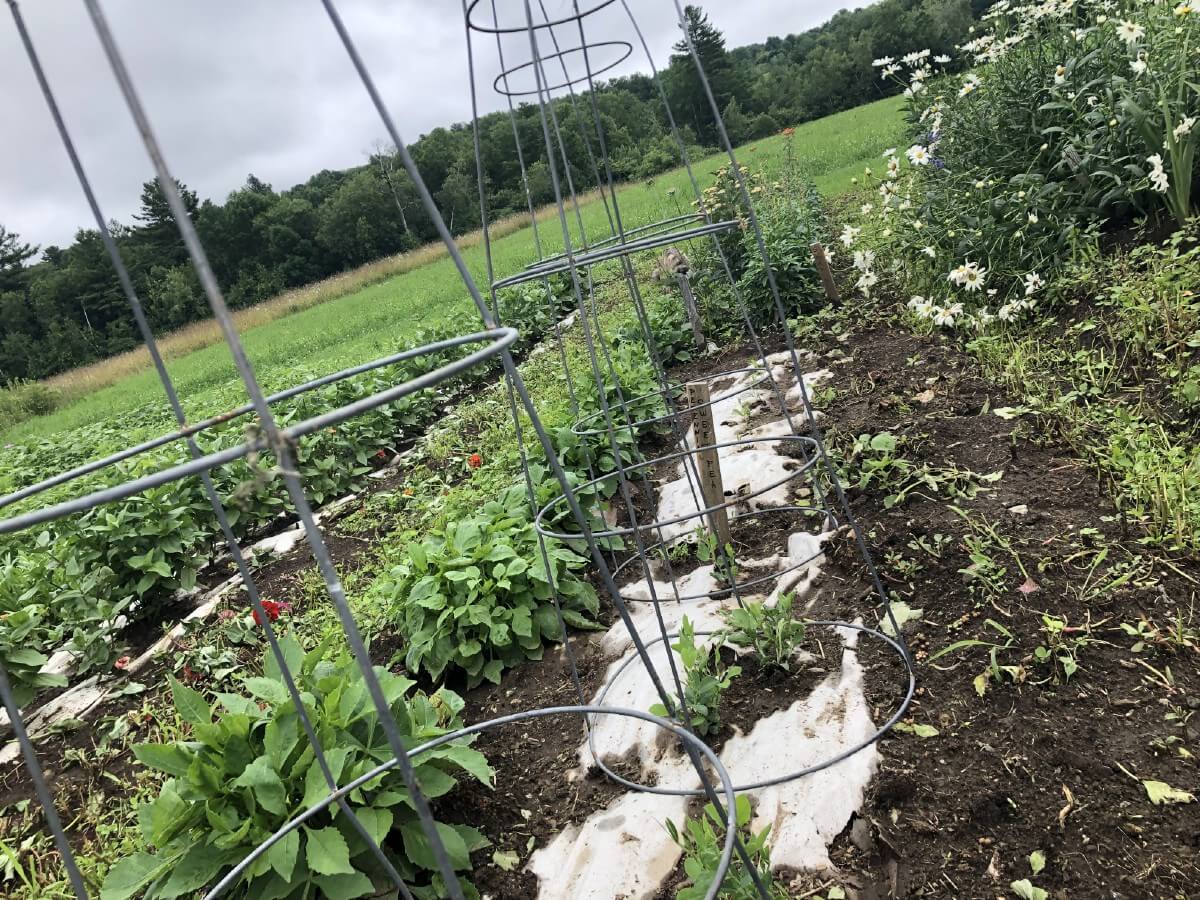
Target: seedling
{"x":995,"y":671}
{"x":771,"y":632}
{"x":1061,"y":644}
{"x":702,"y":840}
{"x":705,"y":679}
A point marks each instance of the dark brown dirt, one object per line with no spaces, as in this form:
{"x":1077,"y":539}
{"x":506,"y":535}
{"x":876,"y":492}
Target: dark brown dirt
{"x":1040,"y":765}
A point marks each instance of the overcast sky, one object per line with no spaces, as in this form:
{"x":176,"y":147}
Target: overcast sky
{"x":263,"y":86}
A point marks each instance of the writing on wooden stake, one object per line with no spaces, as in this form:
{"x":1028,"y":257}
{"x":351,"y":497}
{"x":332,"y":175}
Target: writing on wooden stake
{"x":708,"y":460}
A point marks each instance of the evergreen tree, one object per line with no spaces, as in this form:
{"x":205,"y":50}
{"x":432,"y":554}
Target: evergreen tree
{"x":13,"y":254}
{"x":709,"y":46}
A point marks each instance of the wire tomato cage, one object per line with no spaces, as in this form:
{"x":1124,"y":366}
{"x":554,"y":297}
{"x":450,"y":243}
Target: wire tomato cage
{"x":540,"y":67}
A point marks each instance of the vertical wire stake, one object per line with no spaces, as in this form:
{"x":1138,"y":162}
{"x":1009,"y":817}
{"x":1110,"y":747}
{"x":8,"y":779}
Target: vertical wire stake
{"x":826,"y":273}
{"x":712,"y":486}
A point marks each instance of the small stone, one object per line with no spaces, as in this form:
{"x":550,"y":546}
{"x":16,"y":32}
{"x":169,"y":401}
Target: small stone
{"x":1019,"y":510}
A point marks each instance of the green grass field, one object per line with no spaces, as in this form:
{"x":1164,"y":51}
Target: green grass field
{"x":374,"y":321}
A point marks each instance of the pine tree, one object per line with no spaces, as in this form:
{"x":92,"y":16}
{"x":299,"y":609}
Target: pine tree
{"x":709,"y":46}
{"x":13,"y":254}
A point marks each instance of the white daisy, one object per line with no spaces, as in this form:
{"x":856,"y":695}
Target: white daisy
{"x":1184,"y":127}
{"x":850,"y":235}
{"x":867,"y":281}
{"x":973,"y":277}
{"x":943,"y":317}
{"x":864,"y":259}
{"x":941,"y":59}
{"x":882,"y":61}
{"x":1130,"y":32}
{"x":918,"y":155}
{"x":1139,"y":66}
{"x":930,"y":252}
{"x":1033,"y":283}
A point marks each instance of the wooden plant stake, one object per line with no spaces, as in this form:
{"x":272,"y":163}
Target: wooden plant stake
{"x":693,"y":313}
{"x":712,"y":487}
{"x":826,"y":273}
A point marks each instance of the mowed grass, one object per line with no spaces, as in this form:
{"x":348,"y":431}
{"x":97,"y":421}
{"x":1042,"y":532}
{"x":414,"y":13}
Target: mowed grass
{"x":375,"y":318}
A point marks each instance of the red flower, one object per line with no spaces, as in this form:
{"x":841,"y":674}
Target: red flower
{"x":273,"y":610}
{"x":382,"y":454}
{"x":474,"y":460}
{"x":122,"y":663}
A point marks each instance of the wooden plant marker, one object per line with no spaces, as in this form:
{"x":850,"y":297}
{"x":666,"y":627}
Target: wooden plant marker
{"x":708,"y":461}
{"x":826,"y":273}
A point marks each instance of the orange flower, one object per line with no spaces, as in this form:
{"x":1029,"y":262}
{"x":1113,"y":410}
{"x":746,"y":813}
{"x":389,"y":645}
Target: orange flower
{"x":474,"y":460}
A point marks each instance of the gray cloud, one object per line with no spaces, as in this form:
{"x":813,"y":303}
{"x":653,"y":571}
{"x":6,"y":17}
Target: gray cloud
{"x":263,"y":86}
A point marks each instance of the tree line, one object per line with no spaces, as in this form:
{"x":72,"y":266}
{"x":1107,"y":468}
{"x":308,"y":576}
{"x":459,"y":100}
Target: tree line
{"x":63,"y":307}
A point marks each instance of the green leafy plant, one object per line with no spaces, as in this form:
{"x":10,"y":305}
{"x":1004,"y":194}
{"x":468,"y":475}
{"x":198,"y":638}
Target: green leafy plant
{"x":1060,"y":645}
{"x":478,"y":597}
{"x":772,"y":632}
{"x":248,"y":768}
{"x":702,"y":840}
{"x":996,"y":671}
{"x":706,"y":678}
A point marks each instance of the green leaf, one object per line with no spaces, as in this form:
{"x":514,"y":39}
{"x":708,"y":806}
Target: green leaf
{"x":378,"y":822}
{"x":1161,"y":793}
{"x":417,"y":849}
{"x":266,"y":785}
{"x":1026,"y":891}
{"x":267,"y":689}
{"x":471,"y":760}
{"x":293,"y":655}
{"x":169,"y":758}
{"x":903,"y":614}
{"x":884,"y":442}
{"x":198,"y":867}
{"x":921,"y":731}
{"x":345,"y":887}
{"x":130,"y":875}
{"x":1037,"y":861}
{"x":506,"y":859}
{"x":327,"y":852}
{"x":191,"y":705}
{"x":283,"y":853}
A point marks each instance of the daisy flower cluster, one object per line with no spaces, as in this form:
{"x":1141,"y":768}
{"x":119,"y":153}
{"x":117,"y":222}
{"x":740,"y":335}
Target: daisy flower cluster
{"x":975,"y":238}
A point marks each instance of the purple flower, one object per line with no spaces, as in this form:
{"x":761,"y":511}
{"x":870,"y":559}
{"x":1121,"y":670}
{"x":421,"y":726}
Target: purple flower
{"x":939,"y":163}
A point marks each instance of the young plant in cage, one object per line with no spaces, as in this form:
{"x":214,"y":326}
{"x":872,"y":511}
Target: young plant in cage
{"x":249,"y":768}
{"x":706,"y":678}
{"x":701,"y":840}
{"x":771,"y":632}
